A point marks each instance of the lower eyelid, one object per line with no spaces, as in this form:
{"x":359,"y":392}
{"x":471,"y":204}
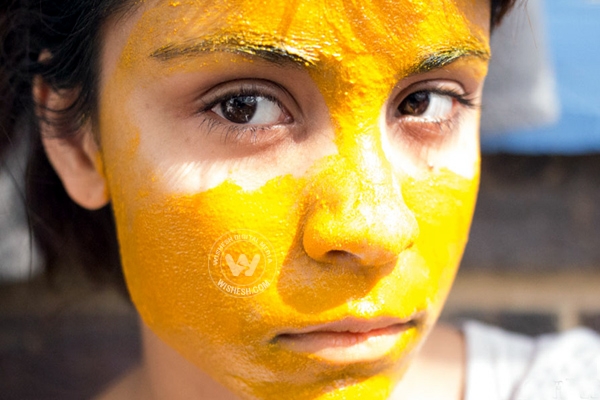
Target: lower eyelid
{"x":441,"y":126}
{"x":428,"y":132}
{"x":240,"y":134}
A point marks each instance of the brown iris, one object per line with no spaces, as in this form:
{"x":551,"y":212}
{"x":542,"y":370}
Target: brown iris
{"x":415,"y":104}
{"x":239,"y":110}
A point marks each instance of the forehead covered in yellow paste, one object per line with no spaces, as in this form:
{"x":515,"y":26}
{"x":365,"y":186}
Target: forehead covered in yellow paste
{"x":338,"y":186}
{"x":357,"y":54}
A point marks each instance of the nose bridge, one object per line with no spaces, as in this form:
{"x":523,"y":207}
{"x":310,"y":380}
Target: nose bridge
{"x":358,"y":212}
{"x":362,"y":154}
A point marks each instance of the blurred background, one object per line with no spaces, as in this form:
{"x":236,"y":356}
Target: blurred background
{"x":532,"y":264}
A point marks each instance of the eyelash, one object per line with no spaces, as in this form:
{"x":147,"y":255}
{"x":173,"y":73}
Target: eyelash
{"x":418,"y":129}
{"x":464,"y":99}
{"x":239,"y":131}
{"x":435,"y":131}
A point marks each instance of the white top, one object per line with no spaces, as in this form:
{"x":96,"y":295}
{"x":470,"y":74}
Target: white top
{"x":508,"y":366}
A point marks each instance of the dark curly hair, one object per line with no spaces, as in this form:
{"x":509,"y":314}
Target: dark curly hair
{"x":71,"y":31}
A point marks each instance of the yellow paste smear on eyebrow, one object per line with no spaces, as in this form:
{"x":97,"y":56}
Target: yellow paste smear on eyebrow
{"x":165,"y":238}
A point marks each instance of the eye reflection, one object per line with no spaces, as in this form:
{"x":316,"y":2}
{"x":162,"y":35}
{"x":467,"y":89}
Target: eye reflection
{"x":250,"y":109}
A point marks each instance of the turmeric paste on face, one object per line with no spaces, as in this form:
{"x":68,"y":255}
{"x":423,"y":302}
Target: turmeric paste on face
{"x":221,"y":272}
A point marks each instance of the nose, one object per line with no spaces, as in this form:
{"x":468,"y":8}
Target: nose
{"x":357,"y":212}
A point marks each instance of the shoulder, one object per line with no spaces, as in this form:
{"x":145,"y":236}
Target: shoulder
{"x":565,"y":366}
{"x":496,"y":361}
{"x":503,"y":365}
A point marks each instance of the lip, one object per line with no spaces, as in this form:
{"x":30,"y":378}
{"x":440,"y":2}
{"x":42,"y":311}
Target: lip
{"x":348,"y":341}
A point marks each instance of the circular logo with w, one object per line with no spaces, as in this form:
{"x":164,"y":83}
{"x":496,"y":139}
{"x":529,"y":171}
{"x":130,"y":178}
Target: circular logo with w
{"x":242,"y":263}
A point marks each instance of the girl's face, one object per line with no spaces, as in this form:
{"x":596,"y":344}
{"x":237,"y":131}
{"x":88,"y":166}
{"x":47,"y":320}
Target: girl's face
{"x":293,"y":181}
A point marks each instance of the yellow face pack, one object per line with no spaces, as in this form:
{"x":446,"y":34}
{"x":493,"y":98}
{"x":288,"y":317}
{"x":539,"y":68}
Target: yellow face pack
{"x":339,"y":216}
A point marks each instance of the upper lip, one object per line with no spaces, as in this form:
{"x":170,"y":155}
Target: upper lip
{"x":353,"y":325}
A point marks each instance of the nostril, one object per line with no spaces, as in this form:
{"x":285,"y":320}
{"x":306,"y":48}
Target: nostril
{"x":340,"y":256}
{"x":368,"y":257}
{"x":337,"y":253}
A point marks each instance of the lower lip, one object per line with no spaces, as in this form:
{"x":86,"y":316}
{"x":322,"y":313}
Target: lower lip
{"x":346,"y":347}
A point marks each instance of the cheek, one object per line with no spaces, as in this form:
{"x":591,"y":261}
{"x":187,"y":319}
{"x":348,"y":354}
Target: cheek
{"x":203,"y":264}
{"x":186,"y":236}
{"x":182,"y":261}
{"x":187,"y":258}
{"x":443,"y":204}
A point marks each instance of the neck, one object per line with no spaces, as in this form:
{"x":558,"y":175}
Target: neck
{"x":441,"y":360}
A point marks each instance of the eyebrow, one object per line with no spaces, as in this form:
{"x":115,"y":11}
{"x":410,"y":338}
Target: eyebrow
{"x":277,"y":54}
{"x":447,"y":56}
{"x":283,"y":54}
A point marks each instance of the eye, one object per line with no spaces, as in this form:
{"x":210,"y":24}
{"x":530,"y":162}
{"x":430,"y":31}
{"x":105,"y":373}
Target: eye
{"x":430,"y":114}
{"x":250,"y":109}
{"x":252,"y":113}
{"x":427,"y":104}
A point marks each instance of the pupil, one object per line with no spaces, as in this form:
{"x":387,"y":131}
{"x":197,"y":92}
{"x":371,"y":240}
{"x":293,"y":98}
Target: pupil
{"x":415,"y":104}
{"x":239,"y":109}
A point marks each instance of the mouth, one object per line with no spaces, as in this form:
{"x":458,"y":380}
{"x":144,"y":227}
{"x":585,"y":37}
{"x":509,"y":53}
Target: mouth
{"x":350,"y":340}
